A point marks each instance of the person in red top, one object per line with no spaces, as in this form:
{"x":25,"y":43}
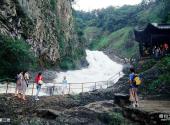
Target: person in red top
{"x":38,"y":81}
{"x":166,"y":47}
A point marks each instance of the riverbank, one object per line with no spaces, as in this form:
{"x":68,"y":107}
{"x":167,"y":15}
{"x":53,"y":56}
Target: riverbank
{"x":91,"y":108}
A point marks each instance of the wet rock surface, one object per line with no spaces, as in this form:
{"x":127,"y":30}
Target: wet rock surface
{"x":56,"y":110}
{"x":122,"y":99}
{"x":99,"y":107}
{"x":150,"y":112}
{"x":71,"y":110}
{"x":28,"y":20}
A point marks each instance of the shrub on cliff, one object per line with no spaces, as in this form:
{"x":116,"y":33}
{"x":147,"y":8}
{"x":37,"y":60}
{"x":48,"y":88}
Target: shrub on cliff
{"x":67,"y":63}
{"x":15,"y":56}
{"x":162,"y":83}
{"x":155,"y":76}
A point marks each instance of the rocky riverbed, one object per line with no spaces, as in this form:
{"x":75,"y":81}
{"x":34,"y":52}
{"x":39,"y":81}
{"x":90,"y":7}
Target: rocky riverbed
{"x":57,"y":110}
{"x":90,"y":108}
{"x":99,"y":107}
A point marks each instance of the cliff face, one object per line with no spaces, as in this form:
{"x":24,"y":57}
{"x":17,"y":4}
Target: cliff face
{"x":46,"y":25}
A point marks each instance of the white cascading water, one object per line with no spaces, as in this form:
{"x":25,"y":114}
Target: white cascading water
{"x":101,"y":68}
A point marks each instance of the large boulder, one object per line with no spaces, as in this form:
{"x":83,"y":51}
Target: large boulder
{"x":121,"y":99}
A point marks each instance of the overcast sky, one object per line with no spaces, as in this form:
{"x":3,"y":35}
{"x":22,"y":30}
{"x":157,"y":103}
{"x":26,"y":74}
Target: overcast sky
{"x":88,"y":5}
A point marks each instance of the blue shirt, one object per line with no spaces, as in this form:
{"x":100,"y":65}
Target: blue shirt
{"x":64,"y":81}
{"x":131,"y":77}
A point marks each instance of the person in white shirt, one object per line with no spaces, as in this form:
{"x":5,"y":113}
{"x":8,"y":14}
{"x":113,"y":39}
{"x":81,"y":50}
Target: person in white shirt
{"x":22,"y":86}
{"x":26,"y":77}
{"x":65,"y":85}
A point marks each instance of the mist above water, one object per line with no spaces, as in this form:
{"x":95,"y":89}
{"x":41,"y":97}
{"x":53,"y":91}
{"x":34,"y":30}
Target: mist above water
{"x":100,"y":68}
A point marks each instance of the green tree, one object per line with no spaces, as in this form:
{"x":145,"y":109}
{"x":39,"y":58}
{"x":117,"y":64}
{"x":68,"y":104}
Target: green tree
{"x":15,"y":56}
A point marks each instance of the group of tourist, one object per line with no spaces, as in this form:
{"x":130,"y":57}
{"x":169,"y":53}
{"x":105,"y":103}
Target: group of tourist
{"x":160,"y":51}
{"x":22,"y":82}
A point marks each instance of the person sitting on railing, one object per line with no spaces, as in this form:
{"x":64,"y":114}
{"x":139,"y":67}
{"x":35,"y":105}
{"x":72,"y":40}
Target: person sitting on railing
{"x":65,"y":84}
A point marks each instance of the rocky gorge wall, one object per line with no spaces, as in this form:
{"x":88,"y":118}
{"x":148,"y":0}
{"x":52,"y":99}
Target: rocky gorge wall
{"x":46,"y":25}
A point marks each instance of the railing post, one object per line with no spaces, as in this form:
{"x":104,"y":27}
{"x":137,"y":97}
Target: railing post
{"x":95,"y":86}
{"x":32,"y":89}
{"x":7,"y":87}
{"x":82,"y":87}
{"x":53,"y":89}
{"x":69,"y":88}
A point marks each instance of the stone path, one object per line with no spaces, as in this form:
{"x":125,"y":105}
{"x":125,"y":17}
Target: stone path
{"x":150,"y":112}
{"x":155,"y":106}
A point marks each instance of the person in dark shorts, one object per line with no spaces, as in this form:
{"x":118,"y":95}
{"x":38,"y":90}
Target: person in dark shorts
{"x":133,"y":89}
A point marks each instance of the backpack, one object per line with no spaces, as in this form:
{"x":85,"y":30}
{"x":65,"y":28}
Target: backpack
{"x":137,"y":80}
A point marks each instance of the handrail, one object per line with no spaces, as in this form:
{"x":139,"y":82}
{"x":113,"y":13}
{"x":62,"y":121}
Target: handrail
{"x":82,"y":88}
{"x":6,"y":79}
{"x":119,"y":73}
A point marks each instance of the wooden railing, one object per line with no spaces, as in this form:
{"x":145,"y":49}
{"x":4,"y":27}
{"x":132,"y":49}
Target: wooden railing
{"x":56,"y":89}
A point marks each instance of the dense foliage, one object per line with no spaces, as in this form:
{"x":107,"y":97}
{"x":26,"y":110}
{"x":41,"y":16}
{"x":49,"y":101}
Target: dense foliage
{"x":112,"y":28}
{"x":162,"y":83}
{"x":75,"y":53}
{"x":112,"y":18}
{"x":155,"y":75}
{"x":15,"y":56}
{"x":53,"y":4}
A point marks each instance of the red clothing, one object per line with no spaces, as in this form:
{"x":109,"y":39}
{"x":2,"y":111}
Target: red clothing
{"x":166,"y":46}
{"x":38,"y":78}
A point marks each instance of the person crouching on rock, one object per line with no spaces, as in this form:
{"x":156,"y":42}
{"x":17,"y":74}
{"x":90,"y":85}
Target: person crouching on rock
{"x":39,"y":82}
{"x":133,"y":89}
